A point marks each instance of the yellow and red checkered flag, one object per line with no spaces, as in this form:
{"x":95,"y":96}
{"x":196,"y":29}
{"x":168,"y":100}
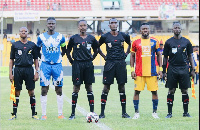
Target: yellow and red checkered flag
{"x":12,"y":92}
{"x":193,"y":89}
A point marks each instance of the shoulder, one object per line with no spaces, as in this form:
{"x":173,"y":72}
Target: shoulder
{"x":137,"y":41}
{"x":123,"y":34}
{"x":105,"y":35}
{"x":169,"y":40}
{"x":74,"y":36}
{"x":185,"y":39}
{"x":154,"y":39}
{"x":31,"y":43}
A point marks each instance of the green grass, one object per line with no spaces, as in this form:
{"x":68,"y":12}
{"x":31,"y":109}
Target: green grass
{"x":113,"y":109}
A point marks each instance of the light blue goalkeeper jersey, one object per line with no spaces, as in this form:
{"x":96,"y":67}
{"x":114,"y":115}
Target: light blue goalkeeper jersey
{"x":51,"y":52}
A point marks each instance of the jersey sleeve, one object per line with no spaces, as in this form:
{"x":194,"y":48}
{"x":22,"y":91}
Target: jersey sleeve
{"x":189,"y":48}
{"x":12,"y":52}
{"x":133,"y":47}
{"x":39,"y":42}
{"x":166,"y":49}
{"x":94,"y":44}
{"x":157,"y":46}
{"x":102,"y":40}
{"x":127,"y":38}
{"x":35,"y":54}
{"x":62,"y":41}
{"x":70,"y":43}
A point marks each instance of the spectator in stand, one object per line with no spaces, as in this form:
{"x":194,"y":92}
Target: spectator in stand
{"x":8,"y":39}
{"x":16,"y":36}
{"x":5,"y":35}
{"x":12,"y":41}
{"x":28,"y":3}
{"x":5,"y":5}
{"x":54,"y":6}
{"x":194,"y":6}
{"x":48,"y":7}
{"x":44,"y":31}
{"x":137,"y":2}
{"x":37,"y":32}
{"x":59,"y":7}
{"x":177,"y":4}
{"x":30,"y":32}
{"x":184,"y":5}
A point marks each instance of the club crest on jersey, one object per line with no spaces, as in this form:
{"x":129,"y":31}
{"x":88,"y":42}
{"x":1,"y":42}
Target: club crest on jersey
{"x":19,"y":52}
{"x":151,"y":43}
{"x":30,"y":52}
{"x":78,"y":46}
{"x":109,"y":45}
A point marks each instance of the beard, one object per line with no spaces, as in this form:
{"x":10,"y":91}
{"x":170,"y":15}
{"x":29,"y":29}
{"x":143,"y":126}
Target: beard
{"x":145,"y":35}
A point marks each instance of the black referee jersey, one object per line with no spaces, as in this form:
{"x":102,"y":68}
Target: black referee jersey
{"x":115,"y":45}
{"x":82,"y":47}
{"x":23,"y":53}
{"x":178,"y":51}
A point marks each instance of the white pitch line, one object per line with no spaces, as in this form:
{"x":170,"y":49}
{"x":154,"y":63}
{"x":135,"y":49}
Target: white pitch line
{"x":84,"y":112}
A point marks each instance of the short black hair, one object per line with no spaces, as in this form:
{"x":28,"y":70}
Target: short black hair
{"x":51,"y":18}
{"x":23,"y":27}
{"x":176,"y":23}
{"x":145,"y":24}
{"x":111,"y":19}
{"x":81,"y":21}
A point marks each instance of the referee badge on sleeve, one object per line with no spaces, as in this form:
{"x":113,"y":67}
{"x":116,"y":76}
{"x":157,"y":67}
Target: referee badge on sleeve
{"x":109,"y":45}
{"x":19,"y":52}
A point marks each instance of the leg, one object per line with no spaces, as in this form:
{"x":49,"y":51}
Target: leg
{"x":43,"y":99}
{"x":136,"y":101}
{"x":121,"y":88}
{"x":76,"y":89}
{"x":154,"y":100}
{"x":58,"y":90}
{"x":104,"y":99}
{"x":33,"y":103}
{"x":15,"y":104}
{"x":170,"y":99}
{"x":90,"y":96}
{"x":185,"y":100}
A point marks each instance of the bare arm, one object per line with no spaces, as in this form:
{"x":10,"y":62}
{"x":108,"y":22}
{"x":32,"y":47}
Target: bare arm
{"x":11,"y":77}
{"x":165,"y":59}
{"x":132,"y":61}
{"x":192,"y":65}
{"x":95,"y":53}
{"x":128,"y":49}
{"x":101,"y":53}
{"x":69,"y":56}
{"x":36,"y":76}
{"x":159,"y":58}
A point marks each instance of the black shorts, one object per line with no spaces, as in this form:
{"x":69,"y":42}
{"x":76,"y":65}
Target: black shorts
{"x":178,"y":75}
{"x":26,"y":74}
{"x":83,"y":71}
{"x":115,"y":68}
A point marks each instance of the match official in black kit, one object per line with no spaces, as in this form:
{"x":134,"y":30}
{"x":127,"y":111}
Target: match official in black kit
{"x":115,"y":65}
{"x":22,"y":54}
{"x":82,"y":66}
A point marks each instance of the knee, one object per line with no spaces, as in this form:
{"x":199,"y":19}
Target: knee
{"x":88,"y":88}
{"x":121,"y":88}
{"x":17,"y":93}
{"x":172,"y":91}
{"x":44,"y":91}
{"x":136,"y":92}
{"x":31,"y":93}
{"x":76,"y":89}
{"x":59,"y":91}
{"x":106,"y":88}
{"x":154,"y":93}
{"x":184,"y":91}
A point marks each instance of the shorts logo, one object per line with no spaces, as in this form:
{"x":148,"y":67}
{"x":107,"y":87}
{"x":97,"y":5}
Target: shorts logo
{"x":19,"y":52}
{"x":174,"y":50}
{"x":109,"y":45}
{"x":30,"y":52}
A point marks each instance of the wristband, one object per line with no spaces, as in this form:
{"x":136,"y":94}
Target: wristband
{"x":132,"y":69}
{"x":160,"y":69}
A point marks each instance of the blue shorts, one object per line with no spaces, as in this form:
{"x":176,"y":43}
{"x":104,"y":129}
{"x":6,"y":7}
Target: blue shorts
{"x":48,"y":70}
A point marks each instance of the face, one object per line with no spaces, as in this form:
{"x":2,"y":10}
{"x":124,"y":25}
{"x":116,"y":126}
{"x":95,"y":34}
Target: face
{"x":161,"y":46}
{"x":144,"y":30}
{"x":177,"y":29}
{"x":23,"y":32}
{"x":51,"y":25}
{"x":82,"y":26}
{"x":113,"y":24}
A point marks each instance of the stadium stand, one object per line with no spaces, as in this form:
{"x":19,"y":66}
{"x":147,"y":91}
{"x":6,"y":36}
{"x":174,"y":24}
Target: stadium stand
{"x":155,"y":4}
{"x":41,"y":5}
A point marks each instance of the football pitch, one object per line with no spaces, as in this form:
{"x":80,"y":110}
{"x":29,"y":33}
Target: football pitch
{"x":113,"y":110}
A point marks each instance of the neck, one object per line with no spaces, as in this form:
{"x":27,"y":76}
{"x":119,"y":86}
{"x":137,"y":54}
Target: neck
{"x":82,"y":34}
{"x":51,"y":32}
{"x":177,"y":37}
{"x":114,"y":33}
{"x":24,"y":40}
{"x":145,"y":37}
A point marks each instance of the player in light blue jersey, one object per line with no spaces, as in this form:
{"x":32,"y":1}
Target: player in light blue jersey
{"x":51,"y":65}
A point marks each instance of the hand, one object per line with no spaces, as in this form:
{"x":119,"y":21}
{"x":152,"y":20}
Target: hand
{"x":192,"y":74}
{"x":160,"y":74}
{"x":36,"y":77}
{"x":133,"y":75}
{"x":165,"y":76}
{"x":11,"y":77}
